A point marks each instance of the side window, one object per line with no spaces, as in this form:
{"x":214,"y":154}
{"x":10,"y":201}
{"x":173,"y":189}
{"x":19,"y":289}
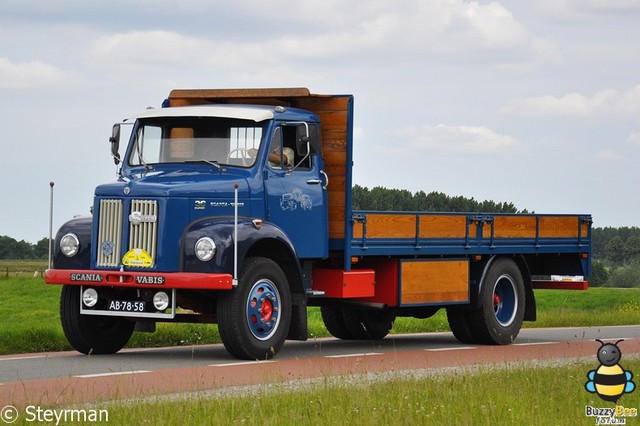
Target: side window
{"x":284,"y":149}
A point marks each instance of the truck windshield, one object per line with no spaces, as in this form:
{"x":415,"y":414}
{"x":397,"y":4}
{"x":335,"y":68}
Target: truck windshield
{"x":183,"y":140}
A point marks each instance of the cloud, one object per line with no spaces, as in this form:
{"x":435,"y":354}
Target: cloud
{"x":634,"y":139}
{"x":29,"y":75}
{"x":589,"y":9}
{"x":415,"y":33}
{"x":456,"y":140}
{"x":606,"y":103}
{"x":609,"y":155}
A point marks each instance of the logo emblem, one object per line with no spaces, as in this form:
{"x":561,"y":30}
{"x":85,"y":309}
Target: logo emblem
{"x":609,"y":381}
{"x":107,"y":248}
{"x":126,"y":190}
{"x":136,"y":218}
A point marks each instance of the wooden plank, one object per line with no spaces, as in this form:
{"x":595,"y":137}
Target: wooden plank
{"x":380,"y":225}
{"x":443,"y":226}
{"x":559,"y":227}
{"x":207,"y":94}
{"x":512,"y":227}
{"x":441,"y":281}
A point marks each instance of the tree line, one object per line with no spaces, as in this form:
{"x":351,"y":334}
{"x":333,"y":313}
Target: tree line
{"x":11,"y":249}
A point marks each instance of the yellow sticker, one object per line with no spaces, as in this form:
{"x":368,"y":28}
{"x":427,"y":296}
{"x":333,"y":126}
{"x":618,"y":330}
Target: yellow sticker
{"x":137,"y":258}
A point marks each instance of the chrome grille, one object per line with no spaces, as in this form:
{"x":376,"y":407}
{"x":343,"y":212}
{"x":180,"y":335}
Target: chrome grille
{"x":143,"y":230}
{"x":143,"y":226}
{"x":110,"y":233}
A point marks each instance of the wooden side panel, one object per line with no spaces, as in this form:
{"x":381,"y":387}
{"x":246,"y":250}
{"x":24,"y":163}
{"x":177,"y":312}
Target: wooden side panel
{"x":443,"y":226}
{"x":380,"y":225}
{"x":559,"y":227}
{"x":513,"y":227}
{"x":333,"y":113}
{"x":428,"y":282}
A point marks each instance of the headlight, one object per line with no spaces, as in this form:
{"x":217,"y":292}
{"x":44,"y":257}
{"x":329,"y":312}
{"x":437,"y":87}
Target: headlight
{"x":205,"y":249}
{"x":69,"y":245}
{"x":90,"y":297}
{"x":161,"y":300}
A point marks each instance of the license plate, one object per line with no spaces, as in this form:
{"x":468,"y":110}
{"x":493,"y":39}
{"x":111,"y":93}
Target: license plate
{"x":126,"y":306}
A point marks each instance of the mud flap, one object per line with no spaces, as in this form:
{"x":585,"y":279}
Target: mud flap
{"x":298,"y":329}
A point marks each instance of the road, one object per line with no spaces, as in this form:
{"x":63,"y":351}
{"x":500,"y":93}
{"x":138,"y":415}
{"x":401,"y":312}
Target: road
{"x":69,"y":377}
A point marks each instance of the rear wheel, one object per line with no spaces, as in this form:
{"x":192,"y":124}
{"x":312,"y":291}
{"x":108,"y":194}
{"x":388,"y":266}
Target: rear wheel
{"x":460,"y":324}
{"x":334,"y":322}
{"x":499,"y":318}
{"x":254,"y":317}
{"x":368,"y":324}
{"x":90,"y":334}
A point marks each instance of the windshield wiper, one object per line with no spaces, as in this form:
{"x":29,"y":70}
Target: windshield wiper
{"x":211,"y":163}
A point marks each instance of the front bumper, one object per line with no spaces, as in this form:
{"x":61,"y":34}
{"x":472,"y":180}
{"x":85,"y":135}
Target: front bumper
{"x":133,"y":279}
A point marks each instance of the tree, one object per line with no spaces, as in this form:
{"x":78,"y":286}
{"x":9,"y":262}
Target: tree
{"x":41,"y":249}
{"x":632,"y":248}
{"x":614,"y":249}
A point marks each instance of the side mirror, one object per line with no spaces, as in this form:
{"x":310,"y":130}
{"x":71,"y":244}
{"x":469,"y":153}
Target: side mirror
{"x":307,"y":141}
{"x":302,"y":139}
{"x":115,"y":143}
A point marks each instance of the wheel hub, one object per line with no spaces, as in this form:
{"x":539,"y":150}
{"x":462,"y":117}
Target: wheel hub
{"x":263,"y":310}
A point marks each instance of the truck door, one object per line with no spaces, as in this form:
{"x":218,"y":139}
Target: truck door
{"x":295,"y":192}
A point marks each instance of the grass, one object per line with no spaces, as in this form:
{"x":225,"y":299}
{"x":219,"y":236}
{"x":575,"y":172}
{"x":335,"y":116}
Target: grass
{"x":14,"y":268}
{"x":538,"y":395}
{"x":31,"y":320}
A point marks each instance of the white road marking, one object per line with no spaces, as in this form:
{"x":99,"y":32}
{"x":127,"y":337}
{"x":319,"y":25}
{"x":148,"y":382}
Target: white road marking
{"x":354,"y":355}
{"x":451,"y":349}
{"x":118,"y":373}
{"x":231,"y":364}
{"x":533,"y":343}
{"x":18,"y":358}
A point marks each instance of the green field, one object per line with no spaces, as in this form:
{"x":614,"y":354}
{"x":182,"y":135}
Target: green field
{"x":31,"y":322}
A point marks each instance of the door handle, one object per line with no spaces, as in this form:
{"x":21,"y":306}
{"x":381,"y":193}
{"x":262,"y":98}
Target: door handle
{"x":314,"y":181}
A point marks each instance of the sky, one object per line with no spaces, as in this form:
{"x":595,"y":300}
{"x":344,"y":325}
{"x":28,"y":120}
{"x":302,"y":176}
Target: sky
{"x":535,"y":102}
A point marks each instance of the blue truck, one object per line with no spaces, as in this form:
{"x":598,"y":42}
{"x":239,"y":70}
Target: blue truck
{"x":234,"y":206}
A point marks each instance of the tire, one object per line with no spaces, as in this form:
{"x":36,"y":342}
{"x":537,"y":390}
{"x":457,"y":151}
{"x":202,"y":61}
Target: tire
{"x":499,"y":318}
{"x":254,"y":317}
{"x":461,"y":325}
{"x":334,"y":322}
{"x":367,"y":324}
{"x":90,"y":334}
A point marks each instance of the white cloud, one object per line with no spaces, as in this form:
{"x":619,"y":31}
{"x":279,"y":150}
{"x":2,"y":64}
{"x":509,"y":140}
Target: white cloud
{"x":609,"y":155}
{"x":606,"y":103}
{"x":634,"y":139}
{"x":456,"y":140}
{"x":591,"y":9}
{"x":29,"y":75}
{"x":414,"y":33}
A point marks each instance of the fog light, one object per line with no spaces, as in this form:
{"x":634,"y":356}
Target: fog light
{"x":69,"y":245}
{"x":89,"y":297}
{"x":205,"y":249}
{"x":161,"y":300}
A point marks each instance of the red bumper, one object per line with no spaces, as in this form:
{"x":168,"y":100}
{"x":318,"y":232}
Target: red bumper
{"x":179,"y":280}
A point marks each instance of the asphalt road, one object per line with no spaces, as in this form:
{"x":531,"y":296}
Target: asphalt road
{"x":72,"y":364}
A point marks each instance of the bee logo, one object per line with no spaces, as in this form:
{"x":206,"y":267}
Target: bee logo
{"x":609,"y":381}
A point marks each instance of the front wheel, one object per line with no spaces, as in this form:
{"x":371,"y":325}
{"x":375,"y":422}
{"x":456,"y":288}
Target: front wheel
{"x":500,"y":316}
{"x":89,"y":334}
{"x":254,"y":317}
